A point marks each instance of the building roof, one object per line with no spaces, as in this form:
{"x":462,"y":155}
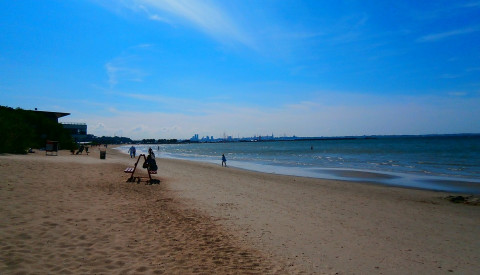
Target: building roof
{"x":56,"y":114}
{"x":53,"y":115}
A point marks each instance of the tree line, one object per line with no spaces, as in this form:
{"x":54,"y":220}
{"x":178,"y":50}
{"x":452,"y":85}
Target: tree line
{"x":159,"y":141}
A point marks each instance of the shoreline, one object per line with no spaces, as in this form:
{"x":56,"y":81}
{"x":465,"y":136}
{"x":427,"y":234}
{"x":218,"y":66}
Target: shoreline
{"x":437,"y":183}
{"x":288,"y":224}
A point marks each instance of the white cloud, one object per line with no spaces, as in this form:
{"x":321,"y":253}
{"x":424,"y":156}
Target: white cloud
{"x":155,"y":17}
{"x":356,"y":115}
{"x":124,"y":68}
{"x":205,"y":16}
{"x":112,"y":73}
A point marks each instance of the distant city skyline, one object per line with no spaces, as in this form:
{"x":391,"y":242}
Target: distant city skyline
{"x":196,"y":137}
{"x":170,"y":69}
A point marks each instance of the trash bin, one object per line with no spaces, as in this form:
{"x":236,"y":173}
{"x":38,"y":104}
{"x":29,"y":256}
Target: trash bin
{"x":51,"y":147}
{"x":103,"y":154}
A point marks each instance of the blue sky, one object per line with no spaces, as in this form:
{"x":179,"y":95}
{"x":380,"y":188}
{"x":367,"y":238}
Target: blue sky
{"x":171,"y":69}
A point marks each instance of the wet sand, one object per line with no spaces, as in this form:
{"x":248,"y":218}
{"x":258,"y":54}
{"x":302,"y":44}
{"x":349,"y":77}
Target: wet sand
{"x":76,"y":214}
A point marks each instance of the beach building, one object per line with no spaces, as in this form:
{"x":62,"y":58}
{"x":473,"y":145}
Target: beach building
{"x":77,"y":130}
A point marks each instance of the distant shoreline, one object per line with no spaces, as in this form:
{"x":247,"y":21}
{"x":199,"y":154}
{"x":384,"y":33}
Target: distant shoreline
{"x":295,"y":138}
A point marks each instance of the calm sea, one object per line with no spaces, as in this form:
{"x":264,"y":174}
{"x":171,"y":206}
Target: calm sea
{"x":436,"y":163}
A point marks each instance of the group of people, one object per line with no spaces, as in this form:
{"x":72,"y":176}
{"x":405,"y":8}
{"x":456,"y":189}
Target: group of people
{"x":149,"y":163}
{"x":81,"y":148}
{"x":151,"y":158}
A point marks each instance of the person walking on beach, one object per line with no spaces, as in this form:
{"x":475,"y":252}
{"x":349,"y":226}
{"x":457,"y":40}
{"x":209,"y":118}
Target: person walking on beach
{"x":224,"y":160}
{"x":132,"y":151}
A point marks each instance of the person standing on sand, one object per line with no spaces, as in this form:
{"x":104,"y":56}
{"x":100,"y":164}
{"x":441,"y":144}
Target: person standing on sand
{"x":132,"y":151}
{"x":224,"y":160}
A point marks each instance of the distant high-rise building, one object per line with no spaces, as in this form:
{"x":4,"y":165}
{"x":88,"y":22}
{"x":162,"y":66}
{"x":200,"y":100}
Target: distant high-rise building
{"x":194,"y":138}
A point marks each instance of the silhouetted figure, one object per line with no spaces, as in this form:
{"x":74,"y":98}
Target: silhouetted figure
{"x":152,"y":164}
{"x":224,"y":160}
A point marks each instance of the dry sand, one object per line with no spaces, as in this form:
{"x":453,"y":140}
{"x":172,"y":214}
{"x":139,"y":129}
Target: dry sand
{"x":76,"y":214}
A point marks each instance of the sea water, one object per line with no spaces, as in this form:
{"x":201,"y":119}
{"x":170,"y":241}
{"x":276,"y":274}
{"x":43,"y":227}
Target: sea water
{"x":442,"y":163}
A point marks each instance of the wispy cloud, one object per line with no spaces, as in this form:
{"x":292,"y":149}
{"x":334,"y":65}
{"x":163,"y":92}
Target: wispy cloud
{"x":474,"y":69}
{"x":155,"y":17}
{"x":152,"y":16}
{"x":450,"y":76}
{"x":297,"y":35}
{"x":347,"y":30}
{"x":472,"y":4}
{"x":457,"y":93}
{"x":143,"y":46}
{"x":127,"y":66}
{"x":202,"y":15}
{"x":443,"y":35}
{"x":119,"y":70}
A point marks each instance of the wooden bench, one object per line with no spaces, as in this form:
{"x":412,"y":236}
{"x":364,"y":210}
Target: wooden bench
{"x":129,"y":170}
{"x":132,"y":170}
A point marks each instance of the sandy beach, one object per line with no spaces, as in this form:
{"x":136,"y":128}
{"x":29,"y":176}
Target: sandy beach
{"x":76,"y":214}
